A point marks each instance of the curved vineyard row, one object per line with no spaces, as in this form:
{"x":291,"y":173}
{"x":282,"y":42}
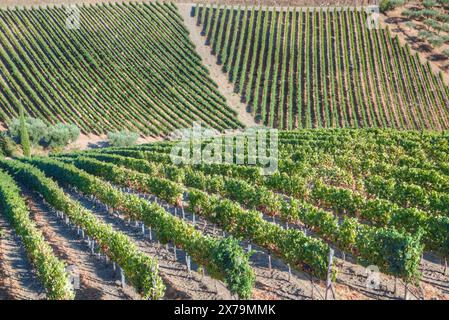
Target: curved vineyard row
{"x":222,"y":258}
{"x":50,"y":270}
{"x":140,"y":270}
{"x":368,"y":243}
{"x":340,"y":185}
{"x":345,"y":179}
{"x":327,"y":193}
{"x":323,"y":68}
{"x":128,"y":66}
{"x":207,"y":251}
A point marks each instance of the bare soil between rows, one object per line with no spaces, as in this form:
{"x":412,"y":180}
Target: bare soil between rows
{"x":18,"y":279}
{"x":98,"y":280}
{"x":351,"y":281}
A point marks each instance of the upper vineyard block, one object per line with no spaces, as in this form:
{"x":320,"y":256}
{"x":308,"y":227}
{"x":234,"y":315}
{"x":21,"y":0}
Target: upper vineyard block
{"x":305,"y":68}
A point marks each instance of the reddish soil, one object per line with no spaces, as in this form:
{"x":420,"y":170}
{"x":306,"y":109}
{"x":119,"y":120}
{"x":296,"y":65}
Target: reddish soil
{"x":351,"y":277}
{"x":98,"y":280}
{"x":397,"y":25}
{"x":17,"y":277}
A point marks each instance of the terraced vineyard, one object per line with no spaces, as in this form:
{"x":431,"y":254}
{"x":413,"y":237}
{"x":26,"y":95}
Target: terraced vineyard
{"x":306,"y":68}
{"x":128,"y":66}
{"x":377,"y":197}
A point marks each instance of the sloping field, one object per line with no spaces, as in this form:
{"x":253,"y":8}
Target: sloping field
{"x":306,"y":68}
{"x":377,"y":197}
{"x":128,"y":66}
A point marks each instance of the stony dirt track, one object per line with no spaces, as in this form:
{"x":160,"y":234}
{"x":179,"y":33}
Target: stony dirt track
{"x":226,"y":88}
{"x":98,"y":280}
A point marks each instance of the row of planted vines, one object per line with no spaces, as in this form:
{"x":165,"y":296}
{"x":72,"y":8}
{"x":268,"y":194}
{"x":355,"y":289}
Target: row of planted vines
{"x":380,"y":196}
{"x":127,"y":66}
{"x":223,"y":259}
{"x":306,"y":68}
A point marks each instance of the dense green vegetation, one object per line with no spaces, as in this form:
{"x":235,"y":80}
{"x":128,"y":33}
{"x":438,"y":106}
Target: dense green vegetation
{"x":50,"y":270}
{"x":381,"y":196}
{"x":378,"y":195}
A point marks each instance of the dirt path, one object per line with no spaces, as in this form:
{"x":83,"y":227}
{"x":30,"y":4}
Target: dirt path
{"x":17,"y":278}
{"x":98,"y":280}
{"x":180,"y":285}
{"x":210,"y":61}
{"x":397,"y":25}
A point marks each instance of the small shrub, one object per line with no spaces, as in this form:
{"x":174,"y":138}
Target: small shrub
{"x":428,"y":13}
{"x":436,"y":42}
{"x":37,"y":129}
{"x":410,"y":24}
{"x":387,"y":5}
{"x":60,"y":135}
{"x":429,"y":4}
{"x":425,"y":34}
{"x":443,"y":17}
{"x":122,"y":138}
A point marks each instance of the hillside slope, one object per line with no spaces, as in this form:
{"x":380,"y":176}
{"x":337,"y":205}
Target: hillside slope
{"x":127,"y":66}
{"x":308,"y":68}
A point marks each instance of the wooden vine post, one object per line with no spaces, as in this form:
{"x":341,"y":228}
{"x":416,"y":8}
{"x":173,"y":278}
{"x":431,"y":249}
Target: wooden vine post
{"x":183,"y":213}
{"x":395,"y":286}
{"x":445,"y":266}
{"x":312,"y":285}
{"x":406,"y":291}
{"x":329,"y":286}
